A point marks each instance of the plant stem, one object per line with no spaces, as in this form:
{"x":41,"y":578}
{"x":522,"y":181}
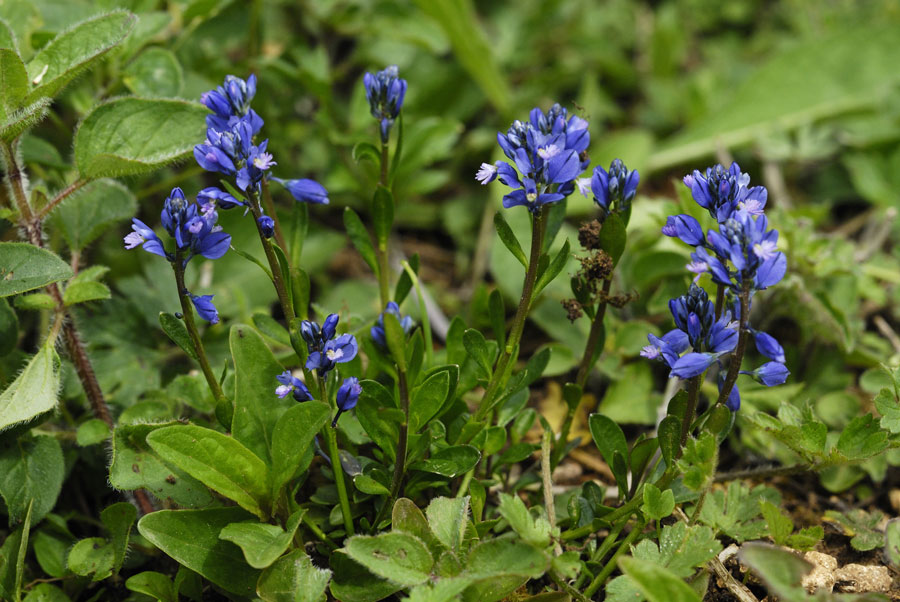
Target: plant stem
{"x":381,"y":249}
{"x":765,"y":473}
{"x":734,"y":366}
{"x":515,"y":333}
{"x":689,"y":411}
{"x":187,"y":311}
{"x":277,"y":279}
{"x":720,"y":300}
{"x":77,"y":353}
{"x":400,"y":461}
{"x":604,"y":574}
{"x":584,"y":370}
{"x":312,"y":526}
{"x":59,"y":198}
{"x":605,"y":546}
{"x":270,"y":211}
{"x":330,"y":433}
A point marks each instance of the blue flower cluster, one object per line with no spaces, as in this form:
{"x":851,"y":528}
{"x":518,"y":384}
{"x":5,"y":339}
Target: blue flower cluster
{"x":325,"y":351}
{"x":193,"y":226}
{"x":385,"y":92}
{"x":548,"y":151}
{"x":377,"y":331}
{"x":613,"y":190}
{"x":230,"y":147}
{"x":740,"y":254}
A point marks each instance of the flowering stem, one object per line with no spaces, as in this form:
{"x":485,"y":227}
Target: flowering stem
{"x":583,"y":370}
{"x":277,"y":279}
{"x":400,"y":462}
{"x":720,"y":300}
{"x":734,"y":365}
{"x":515,"y":334}
{"x":381,"y":249}
{"x":689,"y":411}
{"x":188,"y":313}
{"x":330,"y":434}
{"x":270,"y":211}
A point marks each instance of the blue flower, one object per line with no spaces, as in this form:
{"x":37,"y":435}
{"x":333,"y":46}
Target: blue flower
{"x":306,"y":191}
{"x":266,"y":226}
{"x":336,"y":351}
{"x":205,"y":308}
{"x":144,"y":236}
{"x":768,"y":346}
{"x":347,"y":396}
{"x":618,"y":186}
{"x":733,"y":402}
{"x":548,"y":152}
{"x":685,"y":228}
{"x":217,"y":198}
{"x":385,"y":92}
{"x":229,"y":101}
{"x":770,"y":374}
{"x":231,"y":151}
{"x":723,"y":191}
{"x":745,"y":242}
{"x":293,"y":385}
{"x":315,"y":336}
{"x":377,"y":331}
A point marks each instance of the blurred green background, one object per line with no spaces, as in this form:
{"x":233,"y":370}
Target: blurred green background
{"x":804,"y":95}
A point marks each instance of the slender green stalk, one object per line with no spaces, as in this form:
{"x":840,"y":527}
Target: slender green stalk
{"x":584,"y":370}
{"x":734,"y":366}
{"x":400,"y":462}
{"x":312,"y":526}
{"x":504,"y":363}
{"x":381,"y":249}
{"x":280,"y":288}
{"x":605,"y":546}
{"x":464,"y":484}
{"x":188,"y":314}
{"x":423,"y":312}
{"x":269,"y":204}
{"x":688,"y":420}
{"x":334,"y":454}
{"x":610,"y":566}
{"x":59,"y":198}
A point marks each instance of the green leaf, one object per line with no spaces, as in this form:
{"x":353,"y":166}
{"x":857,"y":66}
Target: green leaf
{"x":24,"y":267}
{"x":382,"y":214}
{"x":269,"y":326}
{"x":12,"y":559}
{"x":44,"y":592}
{"x":370,"y":486}
{"x":13,"y":83}
{"x":92,"y":211}
{"x":780,"y":524}
{"x":428,"y":399}
{"x":153,"y":584}
{"x":191,"y":537}
{"x":18,"y":122}
{"x":118,"y":520}
{"x":92,"y":432}
{"x":35,"y":302}
{"x":92,"y":556}
{"x":399,"y":557}
{"x":450,"y":462}
{"x":553,"y":269}
{"x":135,"y":465}
{"x":354,"y":583}
{"x":366,"y":151}
{"x":608,"y":437}
{"x":178,"y":334}
{"x":291,"y":440}
{"x":293,"y":578}
{"x":806,"y":538}
{"x":862,"y":526}
{"x":31,"y":398}
{"x":699,"y":461}
{"x":379,"y":416}
{"x":50,"y":550}
{"x":508,"y":238}
{"x":155,"y":72}
{"x":613,"y":237}
{"x":892,"y":542}
{"x":501,"y":566}
{"x":657,"y":583}
{"x":862,"y":438}
{"x":658,"y":504}
{"x":262,"y":544}
{"x":76,"y":50}
{"x":447,"y":519}
{"x":218,"y":461}
{"x":781,"y":570}
{"x":9,"y":328}
{"x":477,"y":348}
{"x":82,"y":292}
{"x":406,"y":517}
{"x":535,"y":531}
{"x":7,"y":37}
{"x":256,"y":407}
{"x":395,"y":338}
{"x":888,"y":406}
{"x":360,"y":238}
{"x":31,"y":470}
{"x":129,"y":136}
{"x":733,"y":512}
